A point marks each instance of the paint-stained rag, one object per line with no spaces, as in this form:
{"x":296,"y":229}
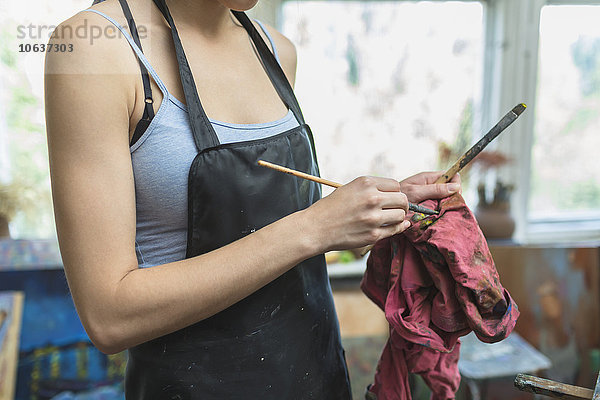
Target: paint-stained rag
{"x":435,"y":282}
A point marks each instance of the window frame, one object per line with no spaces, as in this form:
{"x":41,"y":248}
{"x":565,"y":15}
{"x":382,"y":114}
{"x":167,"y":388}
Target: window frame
{"x":516,"y":62}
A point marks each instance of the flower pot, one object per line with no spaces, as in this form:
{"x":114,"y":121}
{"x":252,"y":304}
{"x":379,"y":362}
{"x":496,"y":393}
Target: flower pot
{"x":495,"y":222}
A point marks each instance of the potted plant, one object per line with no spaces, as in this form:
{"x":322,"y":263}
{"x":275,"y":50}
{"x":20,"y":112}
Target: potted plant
{"x":13,"y":198}
{"x":494,"y":217}
{"x":493,"y":211}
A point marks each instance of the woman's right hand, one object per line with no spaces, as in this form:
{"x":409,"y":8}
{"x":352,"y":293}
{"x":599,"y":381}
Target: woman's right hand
{"x":358,"y":214}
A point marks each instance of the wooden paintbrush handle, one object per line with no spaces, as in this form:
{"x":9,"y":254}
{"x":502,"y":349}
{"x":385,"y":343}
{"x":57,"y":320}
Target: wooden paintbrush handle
{"x":448,"y":175}
{"x":299,"y":174}
{"x":477,"y":148}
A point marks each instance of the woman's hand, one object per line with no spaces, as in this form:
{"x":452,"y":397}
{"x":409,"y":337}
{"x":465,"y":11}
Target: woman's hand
{"x":421,"y":186}
{"x":357,"y":214}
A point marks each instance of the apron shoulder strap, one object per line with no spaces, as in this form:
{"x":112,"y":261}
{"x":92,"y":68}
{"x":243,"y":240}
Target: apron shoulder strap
{"x":204,"y":134}
{"x":277,"y":76}
{"x":272,"y":67}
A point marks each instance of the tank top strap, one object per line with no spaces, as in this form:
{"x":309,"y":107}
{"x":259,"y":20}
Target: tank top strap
{"x":137,"y":51}
{"x":271,"y":41}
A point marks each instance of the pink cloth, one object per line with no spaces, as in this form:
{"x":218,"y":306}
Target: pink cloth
{"x":435,"y":282}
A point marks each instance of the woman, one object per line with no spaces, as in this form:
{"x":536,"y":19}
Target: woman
{"x":176,"y":245}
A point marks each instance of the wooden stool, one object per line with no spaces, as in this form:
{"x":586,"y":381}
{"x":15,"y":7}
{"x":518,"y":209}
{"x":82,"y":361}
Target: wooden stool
{"x":480,"y":362}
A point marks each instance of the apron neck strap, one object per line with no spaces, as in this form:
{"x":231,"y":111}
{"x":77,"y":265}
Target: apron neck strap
{"x":204,"y":134}
{"x":272,"y":67}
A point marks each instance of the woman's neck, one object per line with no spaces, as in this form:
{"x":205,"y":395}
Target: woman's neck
{"x":207,"y":17}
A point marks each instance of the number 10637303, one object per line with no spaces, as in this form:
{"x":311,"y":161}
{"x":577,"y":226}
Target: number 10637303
{"x":43,"y":48}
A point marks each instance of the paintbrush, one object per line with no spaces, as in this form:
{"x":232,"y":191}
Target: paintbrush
{"x":477,"y":148}
{"x":474,"y":151}
{"x":411,"y":206}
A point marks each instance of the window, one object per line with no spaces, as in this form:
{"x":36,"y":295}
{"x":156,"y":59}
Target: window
{"x":567,"y":121}
{"x":383,"y":82}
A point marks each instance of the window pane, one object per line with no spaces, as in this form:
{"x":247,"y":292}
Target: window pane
{"x":565,"y":162}
{"x":382,"y":83}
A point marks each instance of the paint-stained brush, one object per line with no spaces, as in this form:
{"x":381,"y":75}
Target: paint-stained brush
{"x":299,"y":174}
{"x":474,"y":151}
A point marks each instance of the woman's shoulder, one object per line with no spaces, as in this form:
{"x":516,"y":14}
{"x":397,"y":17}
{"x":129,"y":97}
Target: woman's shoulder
{"x":87,"y":43}
{"x":86,"y":72}
{"x":285,"y":50}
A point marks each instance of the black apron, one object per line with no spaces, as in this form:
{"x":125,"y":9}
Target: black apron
{"x":283,"y":341}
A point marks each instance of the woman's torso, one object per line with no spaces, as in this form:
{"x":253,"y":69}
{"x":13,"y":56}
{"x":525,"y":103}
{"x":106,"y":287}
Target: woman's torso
{"x":162,"y":155}
{"x":283,"y":340}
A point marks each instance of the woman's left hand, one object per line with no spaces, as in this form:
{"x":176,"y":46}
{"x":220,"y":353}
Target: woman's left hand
{"x":421,"y":186}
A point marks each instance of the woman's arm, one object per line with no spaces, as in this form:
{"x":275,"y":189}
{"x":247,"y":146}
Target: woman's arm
{"x":88,"y":105}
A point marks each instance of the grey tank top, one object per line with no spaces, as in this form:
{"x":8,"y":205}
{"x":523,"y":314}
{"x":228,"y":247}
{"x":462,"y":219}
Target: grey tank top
{"x":161,"y":160}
